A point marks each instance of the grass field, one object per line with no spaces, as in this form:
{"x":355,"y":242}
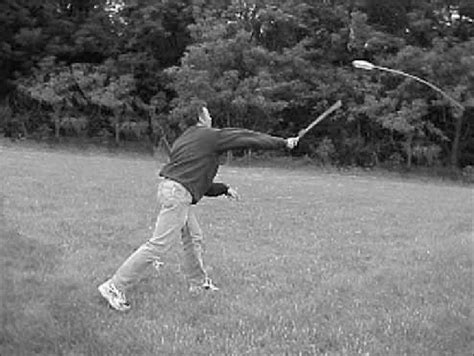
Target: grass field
{"x":309,"y":263}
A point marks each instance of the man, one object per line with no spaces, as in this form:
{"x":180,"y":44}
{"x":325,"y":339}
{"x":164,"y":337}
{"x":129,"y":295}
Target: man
{"x":187,"y":177}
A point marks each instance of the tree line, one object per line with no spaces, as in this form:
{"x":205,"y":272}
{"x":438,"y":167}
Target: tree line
{"x":136,"y":69}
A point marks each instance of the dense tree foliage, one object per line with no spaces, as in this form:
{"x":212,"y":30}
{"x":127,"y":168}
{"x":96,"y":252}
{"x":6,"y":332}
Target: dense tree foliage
{"x":134,"y":70}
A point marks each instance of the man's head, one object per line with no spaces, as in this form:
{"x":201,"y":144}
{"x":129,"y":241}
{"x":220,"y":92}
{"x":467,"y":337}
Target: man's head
{"x":204,"y":118}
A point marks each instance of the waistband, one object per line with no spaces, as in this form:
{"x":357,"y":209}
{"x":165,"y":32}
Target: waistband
{"x":170,"y":183}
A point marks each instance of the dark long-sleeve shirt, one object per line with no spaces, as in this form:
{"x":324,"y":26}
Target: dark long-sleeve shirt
{"x":194,"y":157}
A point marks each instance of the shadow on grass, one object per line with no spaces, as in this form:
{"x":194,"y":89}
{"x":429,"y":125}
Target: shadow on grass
{"x":44,"y":312}
{"x":35,"y":309}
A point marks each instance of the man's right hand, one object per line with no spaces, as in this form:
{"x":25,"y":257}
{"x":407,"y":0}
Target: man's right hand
{"x":292,"y":142}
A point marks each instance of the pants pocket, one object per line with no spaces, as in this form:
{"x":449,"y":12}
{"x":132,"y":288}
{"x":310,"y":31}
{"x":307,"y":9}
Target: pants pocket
{"x":170,"y":193}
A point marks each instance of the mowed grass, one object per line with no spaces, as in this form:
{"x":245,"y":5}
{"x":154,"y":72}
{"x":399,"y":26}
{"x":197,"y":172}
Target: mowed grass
{"x":309,"y":263}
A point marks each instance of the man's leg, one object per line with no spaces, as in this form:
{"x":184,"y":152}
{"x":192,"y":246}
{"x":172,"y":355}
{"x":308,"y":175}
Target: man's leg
{"x":175,"y":202}
{"x":193,"y":247}
{"x":193,"y":261}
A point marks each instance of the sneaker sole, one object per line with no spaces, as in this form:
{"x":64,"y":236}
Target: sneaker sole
{"x":202,"y":290}
{"x":103,"y":292}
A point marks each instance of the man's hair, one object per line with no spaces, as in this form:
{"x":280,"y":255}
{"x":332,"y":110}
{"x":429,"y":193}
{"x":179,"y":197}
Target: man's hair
{"x":192,"y":113}
{"x":198,"y":108}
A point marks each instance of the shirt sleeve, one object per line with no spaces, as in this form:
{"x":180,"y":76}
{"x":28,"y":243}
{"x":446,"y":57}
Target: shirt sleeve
{"x":216,"y":189}
{"x":232,"y":138}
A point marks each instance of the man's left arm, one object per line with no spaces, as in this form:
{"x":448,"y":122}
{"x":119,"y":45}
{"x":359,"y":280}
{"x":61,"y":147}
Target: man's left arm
{"x":217,"y":189}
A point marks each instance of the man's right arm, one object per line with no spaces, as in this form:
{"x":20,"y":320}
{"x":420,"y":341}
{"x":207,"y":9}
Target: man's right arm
{"x":231,"y":138}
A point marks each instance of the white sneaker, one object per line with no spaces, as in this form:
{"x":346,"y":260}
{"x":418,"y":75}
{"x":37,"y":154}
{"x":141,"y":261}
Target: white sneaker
{"x":157,"y":265}
{"x":206,"y":286}
{"x":114,"y":296}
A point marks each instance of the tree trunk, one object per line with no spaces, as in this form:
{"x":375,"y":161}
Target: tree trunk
{"x":229,"y":153}
{"x":117,"y":133}
{"x":56,"y":126}
{"x":249,"y":156}
{"x":229,"y":158}
{"x":408,"y":149}
{"x":457,"y":139}
{"x":375,"y":155}
{"x":151,"y":133}
{"x":25,"y":131}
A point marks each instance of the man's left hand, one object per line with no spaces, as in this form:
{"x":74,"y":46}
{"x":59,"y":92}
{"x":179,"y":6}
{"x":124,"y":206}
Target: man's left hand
{"x":232,"y":194}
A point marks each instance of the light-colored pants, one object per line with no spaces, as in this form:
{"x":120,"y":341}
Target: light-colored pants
{"x":176,"y":218}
